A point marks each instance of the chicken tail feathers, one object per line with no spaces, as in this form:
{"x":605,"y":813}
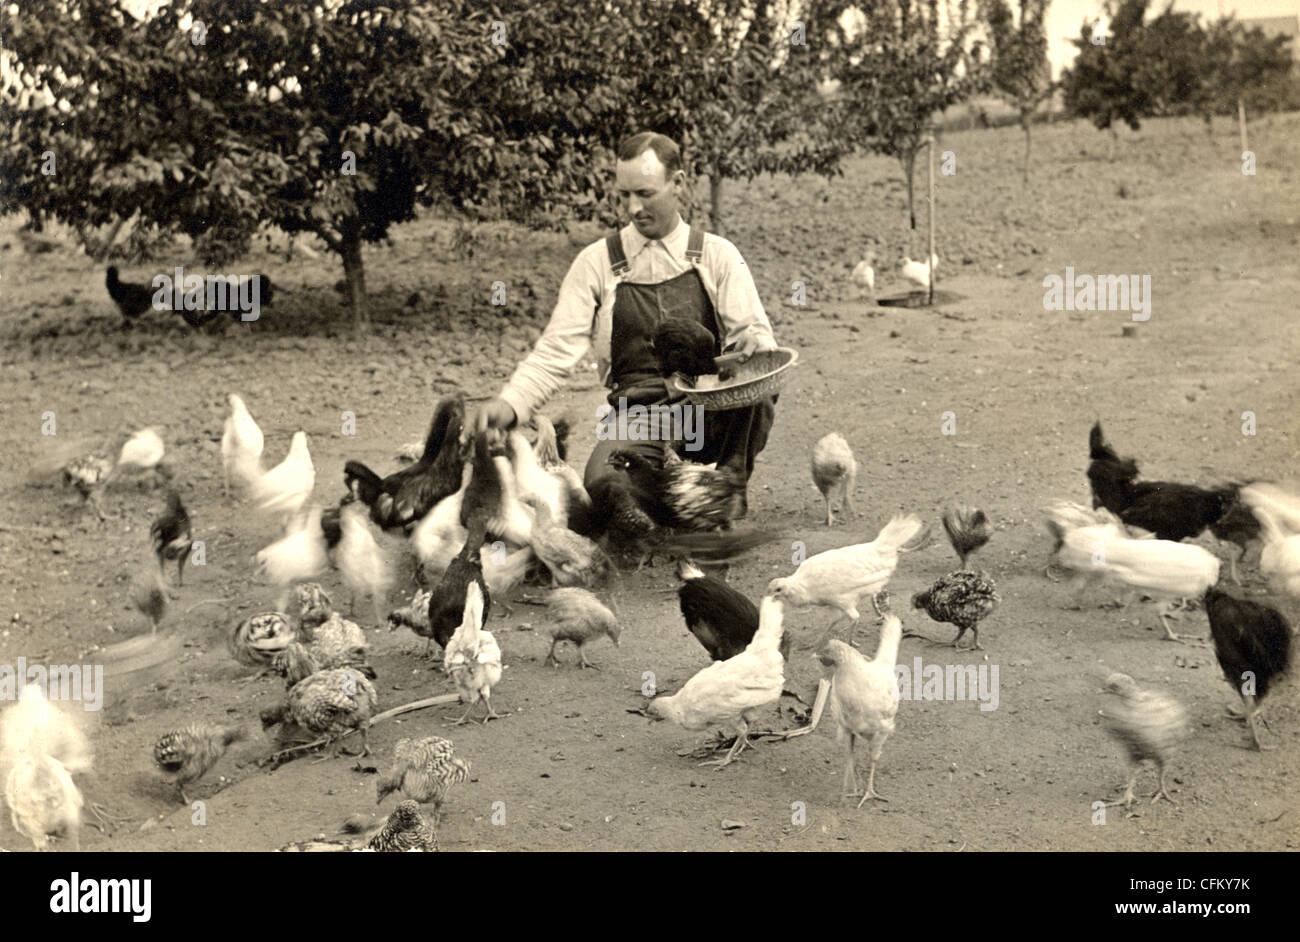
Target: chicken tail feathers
{"x":716,"y":546}
{"x":904,"y":533}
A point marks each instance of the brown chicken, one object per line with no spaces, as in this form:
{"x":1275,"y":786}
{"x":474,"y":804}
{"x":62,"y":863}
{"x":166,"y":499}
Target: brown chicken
{"x":189,"y":753}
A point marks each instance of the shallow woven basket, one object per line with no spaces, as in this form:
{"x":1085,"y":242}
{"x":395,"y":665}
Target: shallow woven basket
{"x":761,"y":376}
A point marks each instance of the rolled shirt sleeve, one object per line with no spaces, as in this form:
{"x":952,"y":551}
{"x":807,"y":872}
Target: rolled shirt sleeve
{"x":738,"y":305}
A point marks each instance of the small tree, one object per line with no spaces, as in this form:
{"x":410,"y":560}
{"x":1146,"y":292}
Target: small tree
{"x":1020,"y":73}
{"x":1103,"y":84}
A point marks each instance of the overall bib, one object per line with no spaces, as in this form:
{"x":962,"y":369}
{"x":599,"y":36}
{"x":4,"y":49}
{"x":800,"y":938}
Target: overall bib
{"x":731,"y":437}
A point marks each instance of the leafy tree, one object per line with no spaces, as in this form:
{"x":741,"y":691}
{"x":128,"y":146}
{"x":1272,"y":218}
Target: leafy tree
{"x":1103,"y":84}
{"x":1020,"y":73}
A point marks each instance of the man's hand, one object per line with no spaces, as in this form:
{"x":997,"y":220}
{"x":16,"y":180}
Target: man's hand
{"x":495,"y":413}
{"x":754,"y":343}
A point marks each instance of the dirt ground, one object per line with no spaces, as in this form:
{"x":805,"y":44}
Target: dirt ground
{"x":573,"y":768}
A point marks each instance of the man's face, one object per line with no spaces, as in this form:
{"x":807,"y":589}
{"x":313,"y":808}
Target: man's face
{"x":649,"y":196}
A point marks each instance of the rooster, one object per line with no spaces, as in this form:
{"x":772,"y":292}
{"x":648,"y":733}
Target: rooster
{"x":1252,"y":642}
{"x":580,"y":618}
{"x":1150,"y":726}
{"x":404,"y":830}
{"x":840,"y":578}
{"x":423,"y":770}
{"x":41,"y":747}
{"x":287,"y":487}
{"x":961,"y":598}
{"x":131,"y":299}
{"x":683,"y":495}
{"x":188,"y":753}
{"x":241,"y":446}
{"x":731,"y":692}
{"x":299,"y":555}
{"x":684,"y":346}
{"x":472,"y":657}
{"x":330,"y":704}
{"x":406,"y":495}
{"x":968,"y":529}
{"x":359,"y":558}
{"x":863,"y":697}
{"x":834,"y":471}
{"x":171,"y":535}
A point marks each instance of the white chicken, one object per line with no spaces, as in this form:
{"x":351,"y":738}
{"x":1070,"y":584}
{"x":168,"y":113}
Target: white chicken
{"x":472,"y":657}
{"x":298,"y":556}
{"x":143,"y":452}
{"x":286,"y":488}
{"x":841,"y":578}
{"x":438,"y":537}
{"x":1150,"y":725}
{"x":241,"y":446}
{"x":530,"y":478}
{"x":41,"y":747}
{"x":548,"y":456}
{"x":359,"y":558}
{"x":1278,"y":513}
{"x":864,"y":274}
{"x":732,"y":692}
{"x":513,"y":522}
{"x":834,"y":471}
{"x":918,"y":273}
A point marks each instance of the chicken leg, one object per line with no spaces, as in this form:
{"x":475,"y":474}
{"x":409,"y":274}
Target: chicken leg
{"x":742,"y":742}
{"x":1128,"y":797}
{"x":877,"y":746}
{"x":1162,"y":790}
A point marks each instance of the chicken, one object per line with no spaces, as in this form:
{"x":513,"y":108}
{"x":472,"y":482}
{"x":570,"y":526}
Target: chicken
{"x":438,"y":537}
{"x":918,"y":273}
{"x":968,"y":529}
{"x":617,"y":514}
{"x":1238,"y":526}
{"x":683,"y":495}
{"x":531,"y":479}
{"x":961,"y":598}
{"x":329,"y":704}
{"x":447,"y":603}
{"x":684,"y":346}
{"x":149,"y":593}
{"x":314,"y":606}
{"x":297,"y":661}
{"x":863,"y":698}
{"x":257,"y":639}
{"x":1106,"y":552}
{"x":731,"y":692}
{"x":143,"y":452}
{"x":840,"y":578}
{"x":1150,"y":725}
{"x":337,"y":642}
{"x":405,"y":830}
{"x":288,"y":486}
{"x":549,"y":456}
{"x":721,"y":619}
{"x":88,"y":474}
{"x":171,"y":535}
{"x":241,"y":446}
{"x":1252,"y":642}
{"x":472,"y":656}
{"x":864,"y":274}
{"x":297,"y":556}
{"x":423,"y":770}
{"x":131,"y":299}
{"x":571,"y":558}
{"x":834,"y":471}
{"x":414,"y":615}
{"x":359,"y":558}
{"x":580,"y":617}
{"x":406,"y":495}
{"x":1278,"y":513}
{"x":41,"y":746}
{"x":188,"y":753}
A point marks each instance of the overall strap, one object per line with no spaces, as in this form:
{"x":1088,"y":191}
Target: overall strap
{"x":695,"y":246}
{"x":619,"y":262}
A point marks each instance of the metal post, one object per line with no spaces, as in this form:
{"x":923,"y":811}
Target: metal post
{"x":930,"y":259}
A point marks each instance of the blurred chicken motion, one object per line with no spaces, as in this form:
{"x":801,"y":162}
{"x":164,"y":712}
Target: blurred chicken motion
{"x":404,"y":830}
{"x":241,"y":447}
{"x":1278,"y":513}
{"x":143,"y":453}
{"x":472,"y":657}
{"x":299,"y":555}
{"x":968,"y":529}
{"x":171,"y":535}
{"x":149,"y":593}
{"x":863,"y":698}
{"x":287,"y":487}
{"x":580,"y":617}
{"x":1150,"y":725}
{"x":360,"y":559}
{"x":40,"y":746}
{"x":423,"y":770}
{"x":329,"y":704}
{"x":834,"y":471}
{"x":731,"y":692}
{"x":89,"y":474}
{"x":190,"y":752}
{"x":1252,"y":642}
{"x":961,"y":598}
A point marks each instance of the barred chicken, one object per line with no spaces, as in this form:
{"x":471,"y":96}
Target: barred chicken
{"x":472,"y":656}
{"x":404,"y":830}
{"x":580,"y":618}
{"x":330,"y":704}
{"x":171,"y":535}
{"x":962,"y":598}
{"x":834,"y":471}
{"x":42,"y":746}
{"x":288,"y":486}
{"x":241,"y":447}
{"x":1252,"y":642}
{"x":257,"y":639}
{"x":1150,"y":726}
{"x":314,"y":606}
{"x":423,"y":770}
{"x":968,"y":529}
{"x":337,"y":642}
{"x":731,"y":692}
{"x":189,"y":753}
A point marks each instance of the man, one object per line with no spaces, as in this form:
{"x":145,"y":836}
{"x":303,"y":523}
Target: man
{"x":616,"y":293}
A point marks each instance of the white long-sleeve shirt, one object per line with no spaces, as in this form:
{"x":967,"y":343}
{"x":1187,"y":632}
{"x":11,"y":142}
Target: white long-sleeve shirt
{"x":583,"y":315}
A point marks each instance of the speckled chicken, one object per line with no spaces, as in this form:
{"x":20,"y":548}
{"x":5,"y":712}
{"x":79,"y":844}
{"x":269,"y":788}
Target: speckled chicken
{"x":330,"y":704}
{"x":42,"y":746}
{"x":834,"y":471}
{"x":298,"y":661}
{"x":1150,"y":726}
{"x":337,"y":642}
{"x":423,"y":770}
{"x":88,"y":474}
{"x":405,"y":830}
{"x":257,"y":639}
{"x":171,"y":535}
{"x":188,"y":753}
{"x":313,"y":602}
{"x":962,"y":598}
{"x":580,"y":618}
{"x":473,"y":658}
{"x":968,"y":529}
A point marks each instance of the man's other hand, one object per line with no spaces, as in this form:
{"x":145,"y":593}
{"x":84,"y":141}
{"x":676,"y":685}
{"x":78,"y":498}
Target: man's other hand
{"x":754,"y":343}
{"x":495,"y":413}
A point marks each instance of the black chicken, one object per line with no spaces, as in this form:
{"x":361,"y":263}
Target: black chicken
{"x":171,"y":535}
{"x":1240,"y":527}
{"x":961,"y":598}
{"x":684,"y":346}
{"x":722,"y":619}
{"x":447,"y":604}
{"x":402,"y":498}
{"x":131,"y":299}
{"x":1253,"y":644}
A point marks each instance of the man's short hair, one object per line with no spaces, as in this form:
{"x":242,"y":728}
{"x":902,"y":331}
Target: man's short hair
{"x":665,"y":148}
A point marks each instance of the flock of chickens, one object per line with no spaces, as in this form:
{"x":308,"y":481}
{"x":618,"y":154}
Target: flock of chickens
{"x":482,"y":512}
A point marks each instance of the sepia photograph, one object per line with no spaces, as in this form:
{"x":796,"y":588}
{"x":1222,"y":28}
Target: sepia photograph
{"x":651,"y":426}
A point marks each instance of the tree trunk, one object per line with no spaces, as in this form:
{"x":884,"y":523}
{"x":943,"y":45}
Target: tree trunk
{"x":1114,"y":137}
{"x":715,"y":203}
{"x":1025,"y":123}
{"x":1241,"y":120}
{"x":908,"y":161}
{"x":355,"y":271}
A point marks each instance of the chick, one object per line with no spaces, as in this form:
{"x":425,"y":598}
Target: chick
{"x":571,"y":558}
{"x":961,"y":598}
{"x":329,"y":704}
{"x":41,"y":746}
{"x":314,"y":605}
{"x":414,"y":616}
{"x":579,"y":617}
{"x":298,"y":662}
{"x":190,"y":752}
{"x":404,"y":830}
{"x":338,"y":642}
{"x":423,"y":770}
{"x":1150,"y":725}
{"x":171,"y":535}
{"x":968,"y":529}
{"x":834,"y":471}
